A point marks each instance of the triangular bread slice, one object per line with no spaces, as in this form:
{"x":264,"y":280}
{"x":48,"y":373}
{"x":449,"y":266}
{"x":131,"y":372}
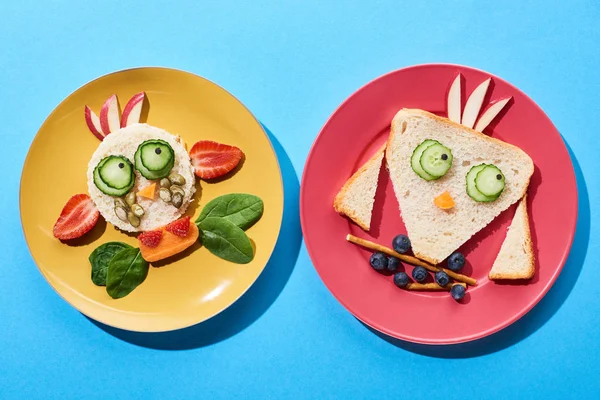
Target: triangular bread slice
{"x":436,"y":233}
{"x":355,"y":199}
{"x":515,"y":259}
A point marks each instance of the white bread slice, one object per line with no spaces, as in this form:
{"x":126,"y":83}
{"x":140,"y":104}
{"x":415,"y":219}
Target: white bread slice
{"x":515,"y":259}
{"x":436,"y":233}
{"x":125,"y":142}
{"x":355,"y":199}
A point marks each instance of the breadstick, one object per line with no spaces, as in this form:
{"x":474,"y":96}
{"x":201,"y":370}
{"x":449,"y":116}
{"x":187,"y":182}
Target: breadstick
{"x":432,"y":286}
{"x":410,"y":259}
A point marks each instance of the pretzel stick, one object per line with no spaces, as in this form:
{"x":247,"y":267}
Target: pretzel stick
{"x":432,"y":286}
{"x":410,"y":259}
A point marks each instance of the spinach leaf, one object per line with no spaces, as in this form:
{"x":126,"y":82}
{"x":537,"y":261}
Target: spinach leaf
{"x":224,"y":239}
{"x":126,"y":271}
{"x":241,"y":209}
{"x":100,"y":259}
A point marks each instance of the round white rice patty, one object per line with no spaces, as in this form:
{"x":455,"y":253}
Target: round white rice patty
{"x":125,"y":142}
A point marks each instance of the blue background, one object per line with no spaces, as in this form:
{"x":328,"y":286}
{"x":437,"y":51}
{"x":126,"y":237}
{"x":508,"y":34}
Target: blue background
{"x":292,"y":63}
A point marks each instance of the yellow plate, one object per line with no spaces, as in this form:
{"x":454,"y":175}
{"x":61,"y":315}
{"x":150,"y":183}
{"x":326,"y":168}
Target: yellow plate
{"x":195,"y":285}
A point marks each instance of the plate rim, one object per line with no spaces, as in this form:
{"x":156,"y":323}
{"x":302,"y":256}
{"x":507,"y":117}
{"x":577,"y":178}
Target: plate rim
{"x":497,"y":327}
{"x":172,"y":327}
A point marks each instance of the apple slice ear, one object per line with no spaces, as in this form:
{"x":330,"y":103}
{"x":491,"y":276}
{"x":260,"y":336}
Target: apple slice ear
{"x":110,"y":120}
{"x":474,"y":103}
{"x":133,"y":110}
{"x":93,"y":123}
{"x":491,"y":113}
{"x":454,"y":101}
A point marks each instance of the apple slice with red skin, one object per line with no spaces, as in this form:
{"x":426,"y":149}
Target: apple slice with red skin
{"x":93,"y":123}
{"x":133,"y":110}
{"x":474,"y":104}
{"x":110,"y":120}
{"x":492,"y":111}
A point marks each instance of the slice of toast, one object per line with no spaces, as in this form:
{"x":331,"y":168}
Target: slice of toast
{"x":436,"y":233}
{"x":515,"y":259}
{"x":355,"y":199}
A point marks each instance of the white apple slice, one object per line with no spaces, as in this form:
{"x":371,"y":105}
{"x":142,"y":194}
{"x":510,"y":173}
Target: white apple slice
{"x":109,"y":115}
{"x":491,"y":113}
{"x":133,"y":110}
{"x":454,"y":101}
{"x":93,"y":123}
{"x":474,"y":103}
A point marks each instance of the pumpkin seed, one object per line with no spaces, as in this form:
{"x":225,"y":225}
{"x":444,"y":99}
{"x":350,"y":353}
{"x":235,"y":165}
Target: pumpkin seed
{"x":130,"y":198}
{"x":133,"y":219}
{"x":119,"y":202}
{"x":177,"y":179}
{"x":177,"y":199}
{"x":137,"y":210}
{"x":177,"y":189}
{"x":121,"y":213}
{"x":165,"y":183}
{"x":165,"y":195}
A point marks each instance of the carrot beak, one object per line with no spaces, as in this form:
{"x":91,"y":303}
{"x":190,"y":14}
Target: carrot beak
{"x":444,"y":201}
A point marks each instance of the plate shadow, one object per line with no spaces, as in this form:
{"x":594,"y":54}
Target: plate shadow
{"x":257,"y":300}
{"x":541,"y":313}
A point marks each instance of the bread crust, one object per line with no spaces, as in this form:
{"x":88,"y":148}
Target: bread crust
{"x":528,"y":243}
{"x":338,"y":202}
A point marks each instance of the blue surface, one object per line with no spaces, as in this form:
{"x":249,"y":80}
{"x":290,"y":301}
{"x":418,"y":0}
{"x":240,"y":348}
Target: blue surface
{"x":292,"y":63}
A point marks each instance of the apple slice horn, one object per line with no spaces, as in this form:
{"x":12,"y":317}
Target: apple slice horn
{"x":474,"y":103}
{"x":454,"y":101}
{"x":491,"y":113}
{"x":110,"y":120}
{"x":93,"y":123}
{"x":133,"y":110}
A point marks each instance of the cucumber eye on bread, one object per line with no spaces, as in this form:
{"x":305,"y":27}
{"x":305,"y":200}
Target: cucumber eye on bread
{"x":431,"y":160}
{"x":114,"y":175}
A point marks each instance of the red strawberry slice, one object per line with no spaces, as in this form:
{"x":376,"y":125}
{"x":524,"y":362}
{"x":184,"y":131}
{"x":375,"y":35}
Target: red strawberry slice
{"x":212,"y":160}
{"x":77,"y":218}
{"x":181,"y":227}
{"x":151,"y":238}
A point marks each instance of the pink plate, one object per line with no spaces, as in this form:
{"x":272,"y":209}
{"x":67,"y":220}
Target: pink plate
{"x":353,"y":133}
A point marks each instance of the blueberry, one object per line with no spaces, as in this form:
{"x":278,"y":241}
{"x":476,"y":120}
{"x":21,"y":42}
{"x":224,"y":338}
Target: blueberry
{"x":419,"y":274}
{"x":379,"y":261}
{"x":457,"y":292}
{"x":401,"y":243}
{"x":456,"y":261}
{"x":401,"y":279}
{"x":442,"y":278}
{"x":393,"y":264}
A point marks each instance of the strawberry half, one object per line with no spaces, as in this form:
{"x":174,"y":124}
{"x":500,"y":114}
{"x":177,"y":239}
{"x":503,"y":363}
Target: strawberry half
{"x":151,"y":238}
{"x":212,"y":160}
{"x":77,"y":218}
{"x":181,"y":227}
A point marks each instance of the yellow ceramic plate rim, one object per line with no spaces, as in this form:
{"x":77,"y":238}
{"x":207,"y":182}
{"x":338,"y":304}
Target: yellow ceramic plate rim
{"x":154,"y":324}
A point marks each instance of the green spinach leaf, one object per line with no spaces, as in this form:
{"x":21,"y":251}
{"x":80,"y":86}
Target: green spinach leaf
{"x":100,"y":258}
{"x":126,"y":271}
{"x":224,"y":239}
{"x":241,"y":209}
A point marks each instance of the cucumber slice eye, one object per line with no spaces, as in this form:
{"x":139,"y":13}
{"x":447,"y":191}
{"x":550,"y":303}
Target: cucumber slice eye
{"x":415,"y":160}
{"x":490,"y":181}
{"x":154,"y":159}
{"x":436,"y":160}
{"x":472,"y":189}
{"x":155,"y":155}
{"x":114,"y":175}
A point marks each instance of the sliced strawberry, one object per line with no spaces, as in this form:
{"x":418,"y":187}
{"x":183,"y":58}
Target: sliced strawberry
{"x":181,"y":227}
{"x":77,"y":217}
{"x":151,"y":238}
{"x":212,"y":160}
